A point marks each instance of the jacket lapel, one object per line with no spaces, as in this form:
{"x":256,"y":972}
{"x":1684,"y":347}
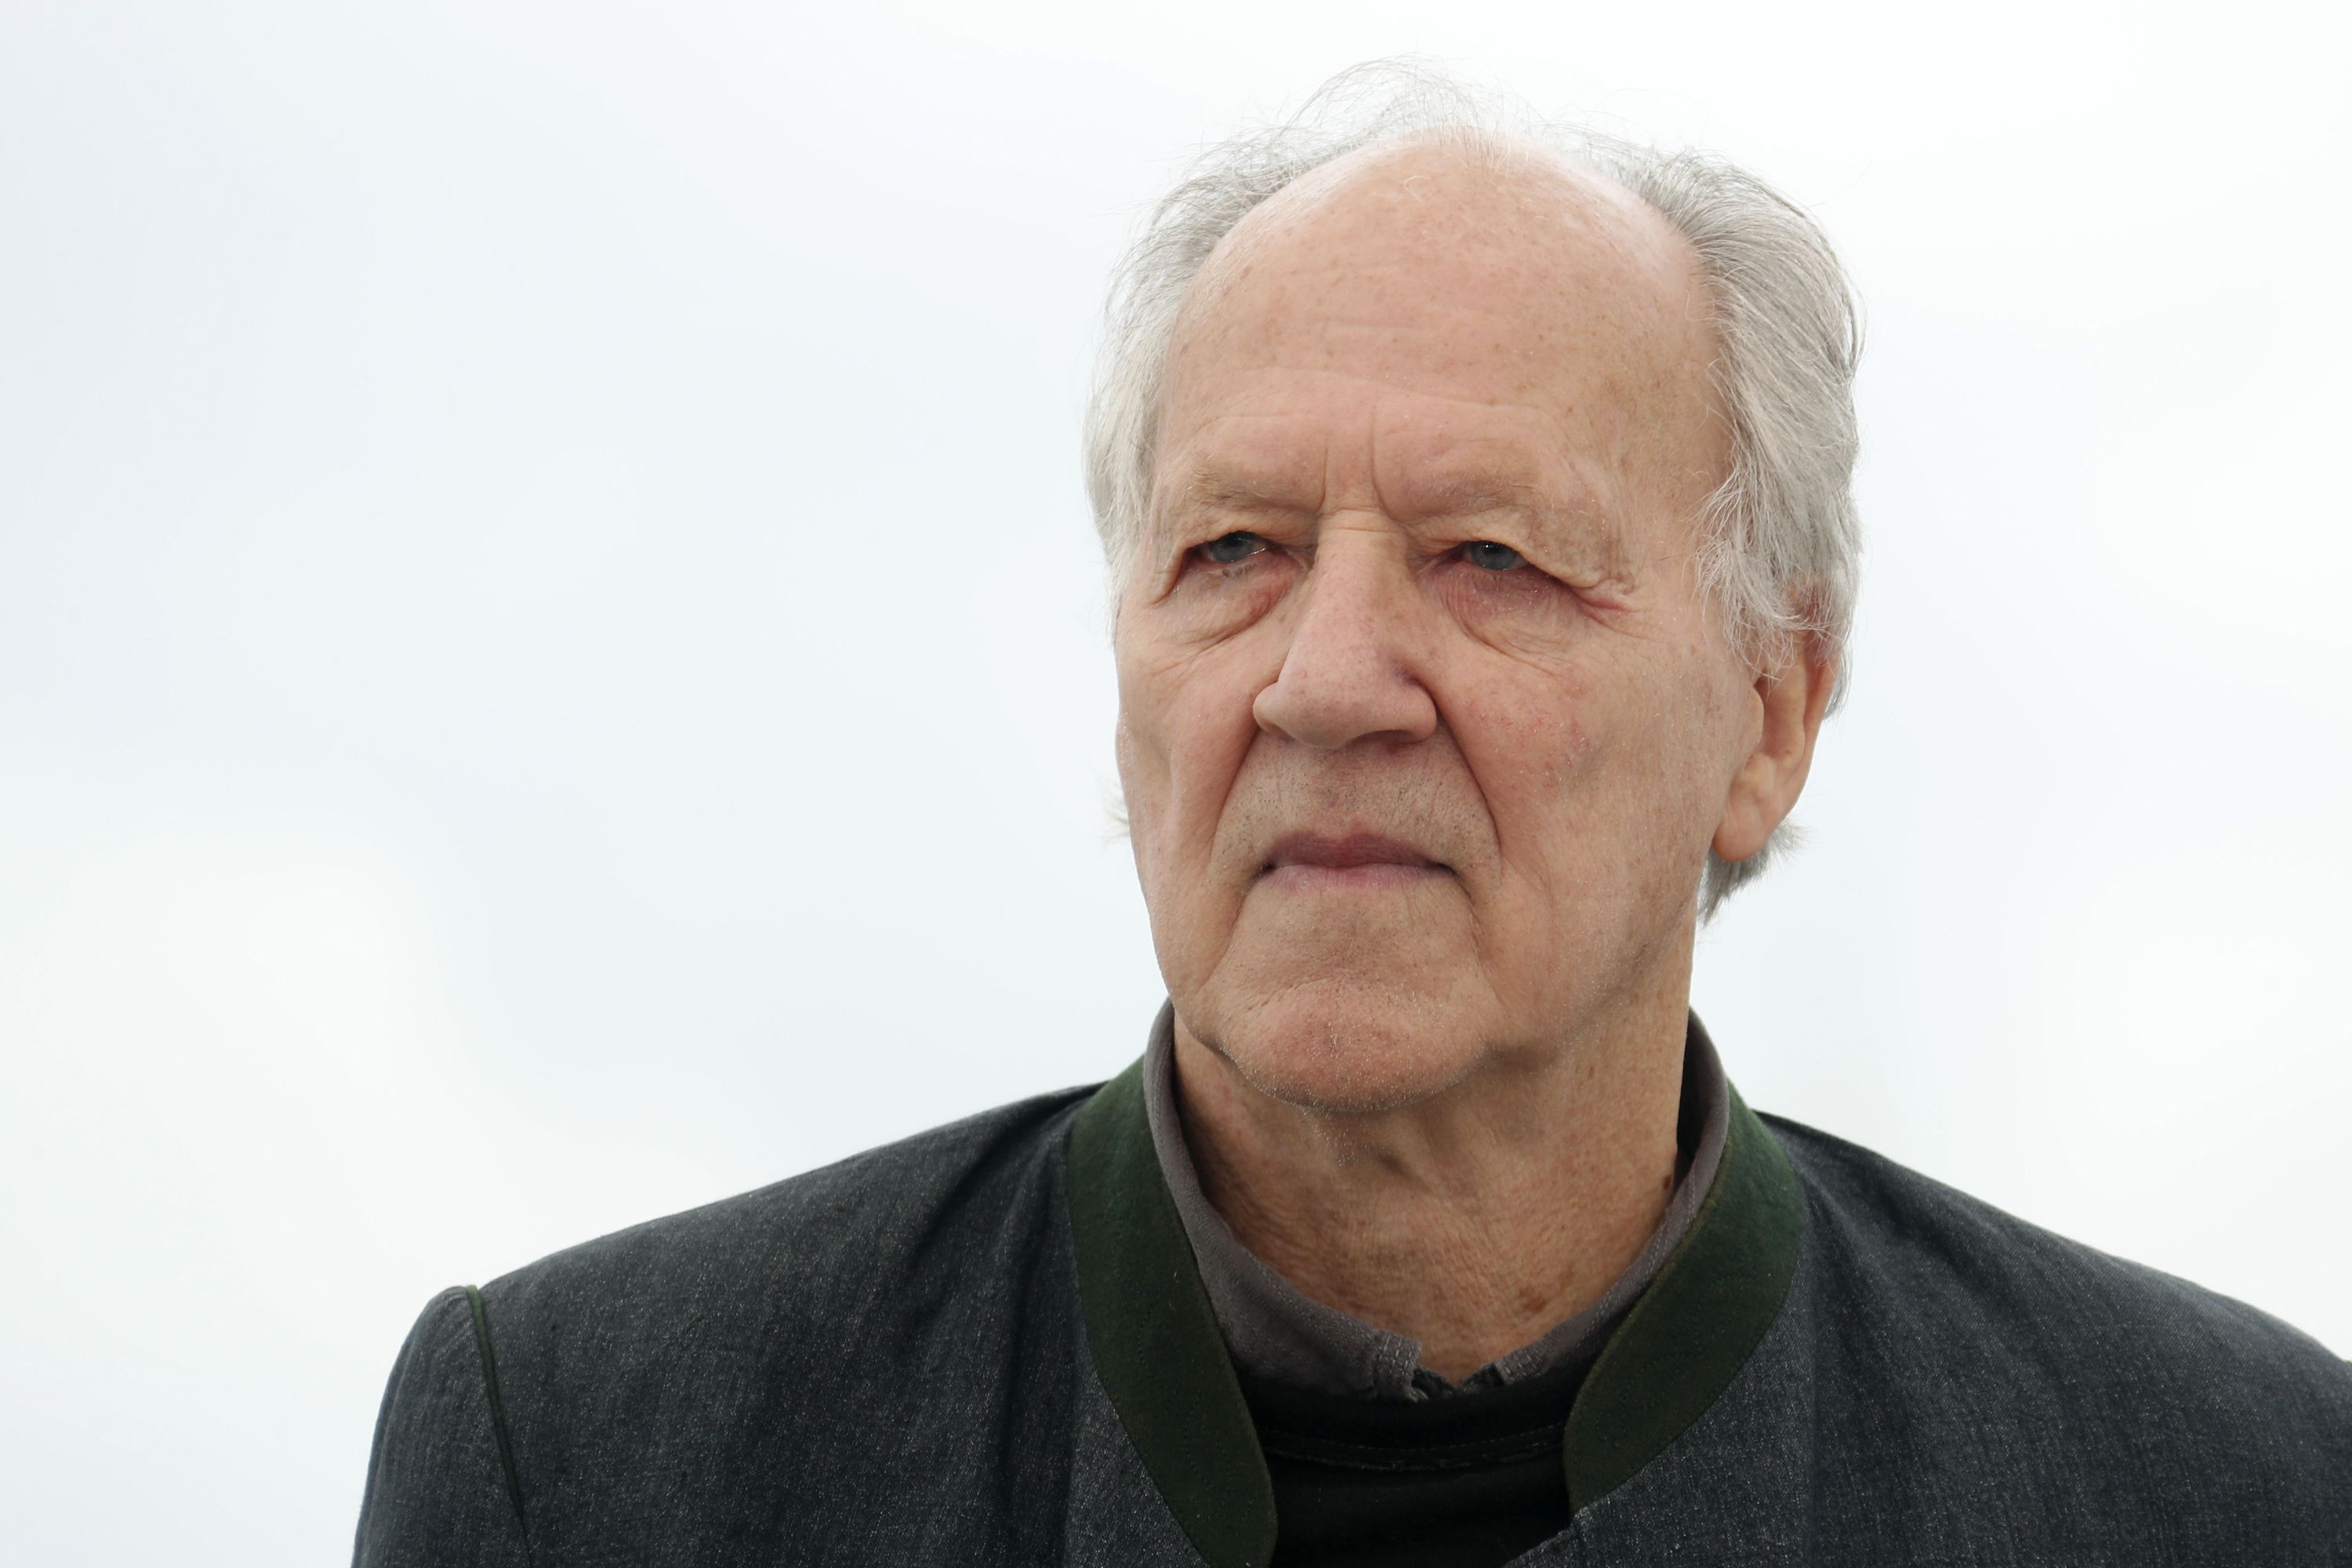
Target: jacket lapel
{"x":1156,"y":1345}
{"x":1161,"y":1358}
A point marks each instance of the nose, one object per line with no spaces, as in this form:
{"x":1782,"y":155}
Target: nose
{"x":1352,"y":668}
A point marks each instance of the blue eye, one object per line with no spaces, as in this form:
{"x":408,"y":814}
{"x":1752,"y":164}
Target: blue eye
{"x":1233,"y":547}
{"x":1494,"y":557}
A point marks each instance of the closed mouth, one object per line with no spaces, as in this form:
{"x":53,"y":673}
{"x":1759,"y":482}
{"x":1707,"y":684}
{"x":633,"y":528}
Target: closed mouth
{"x":1345,"y":853}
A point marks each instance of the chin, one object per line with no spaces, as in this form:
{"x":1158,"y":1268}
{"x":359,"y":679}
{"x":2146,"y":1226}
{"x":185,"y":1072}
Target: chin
{"x":1343,"y":1044}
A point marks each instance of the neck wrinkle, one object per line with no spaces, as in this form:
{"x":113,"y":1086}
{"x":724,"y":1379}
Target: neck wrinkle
{"x":1277,"y":1333}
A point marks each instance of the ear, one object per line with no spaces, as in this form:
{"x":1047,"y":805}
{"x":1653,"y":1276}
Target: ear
{"x":1789,"y":699}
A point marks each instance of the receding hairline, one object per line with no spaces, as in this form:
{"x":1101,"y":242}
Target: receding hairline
{"x":1632,"y":239}
{"x":1503,"y":161}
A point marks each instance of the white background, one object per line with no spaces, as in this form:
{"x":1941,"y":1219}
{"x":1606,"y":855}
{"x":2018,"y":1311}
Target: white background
{"x":552,"y":665}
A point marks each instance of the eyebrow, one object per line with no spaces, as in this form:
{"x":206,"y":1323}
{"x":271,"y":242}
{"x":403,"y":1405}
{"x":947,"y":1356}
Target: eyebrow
{"x":1215,"y":490}
{"x":1591,"y":522}
{"x":1209,"y":489}
{"x":1470,"y":497}
{"x":1212,"y":489}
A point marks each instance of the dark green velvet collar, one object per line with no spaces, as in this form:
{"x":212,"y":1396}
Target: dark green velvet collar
{"x":1163,"y":1361}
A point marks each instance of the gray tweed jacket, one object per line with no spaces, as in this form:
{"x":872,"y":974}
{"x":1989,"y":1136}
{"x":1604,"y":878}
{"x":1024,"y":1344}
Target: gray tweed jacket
{"x":988,"y":1345}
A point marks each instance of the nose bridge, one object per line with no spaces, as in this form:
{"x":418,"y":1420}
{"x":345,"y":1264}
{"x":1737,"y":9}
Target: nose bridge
{"x":1352,"y":606}
{"x":1349,"y":667}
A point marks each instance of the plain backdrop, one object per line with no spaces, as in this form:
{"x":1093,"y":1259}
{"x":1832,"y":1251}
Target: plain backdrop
{"x":552,"y":664}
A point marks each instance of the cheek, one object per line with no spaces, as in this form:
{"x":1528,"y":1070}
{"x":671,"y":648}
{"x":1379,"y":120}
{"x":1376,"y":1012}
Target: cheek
{"x":1140,"y":744}
{"x":1528,"y":737}
{"x":1212,"y":729}
{"x":1523,"y":614}
{"x":1210,"y":604}
{"x":1589,"y":773}
{"x":1184,"y":727}
{"x":1142,"y":777}
{"x":1666,"y":780}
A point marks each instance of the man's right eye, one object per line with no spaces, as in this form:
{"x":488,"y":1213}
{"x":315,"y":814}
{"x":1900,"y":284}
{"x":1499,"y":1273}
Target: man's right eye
{"x":1233,"y":547}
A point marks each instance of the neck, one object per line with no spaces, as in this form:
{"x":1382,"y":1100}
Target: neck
{"x":1471,"y":1221}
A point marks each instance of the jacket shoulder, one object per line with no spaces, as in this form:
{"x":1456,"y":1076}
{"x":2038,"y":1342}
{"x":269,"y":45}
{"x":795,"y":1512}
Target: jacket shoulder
{"x":1910,"y":1229}
{"x":719,"y":1385}
{"x":1933,"y":1298}
{"x":440,"y":1478}
{"x":790,"y":1244}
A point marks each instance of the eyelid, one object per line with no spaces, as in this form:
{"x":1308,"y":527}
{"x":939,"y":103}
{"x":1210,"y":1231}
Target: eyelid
{"x":1531,"y":572}
{"x":1232,"y":533}
{"x":1460,"y":550}
{"x":1197,"y":553}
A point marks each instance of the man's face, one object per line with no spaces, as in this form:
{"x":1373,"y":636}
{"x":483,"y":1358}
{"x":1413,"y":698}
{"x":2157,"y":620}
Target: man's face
{"x":1424,"y":727}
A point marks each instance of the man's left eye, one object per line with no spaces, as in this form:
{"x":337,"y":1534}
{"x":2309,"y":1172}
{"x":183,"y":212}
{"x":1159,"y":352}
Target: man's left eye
{"x":1231,"y":549}
{"x":1494,"y":557}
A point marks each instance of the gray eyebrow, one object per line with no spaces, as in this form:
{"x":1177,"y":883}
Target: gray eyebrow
{"x":1209,"y":489}
{"x":1563,"y":523}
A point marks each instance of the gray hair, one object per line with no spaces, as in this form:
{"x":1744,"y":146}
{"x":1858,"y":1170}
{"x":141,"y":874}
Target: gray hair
{"x":1779,"y":538}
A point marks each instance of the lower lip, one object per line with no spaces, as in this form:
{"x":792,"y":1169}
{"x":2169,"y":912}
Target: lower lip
{"x":1374,"y":876}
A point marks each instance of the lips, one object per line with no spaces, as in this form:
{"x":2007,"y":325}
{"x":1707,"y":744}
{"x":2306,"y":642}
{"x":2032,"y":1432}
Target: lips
{"x":1346,"y":853}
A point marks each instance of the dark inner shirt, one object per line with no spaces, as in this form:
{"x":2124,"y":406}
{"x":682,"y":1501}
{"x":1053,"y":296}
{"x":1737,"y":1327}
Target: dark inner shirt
{"x":1420,"y":1472}
{"x":1467,"y":1482}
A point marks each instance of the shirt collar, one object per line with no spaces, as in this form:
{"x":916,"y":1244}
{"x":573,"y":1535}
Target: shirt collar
{"x":1276,"y":1332}
{"x":1155,"y":1349}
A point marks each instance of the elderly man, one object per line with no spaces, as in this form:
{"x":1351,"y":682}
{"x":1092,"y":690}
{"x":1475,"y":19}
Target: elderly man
{"x":1478,"y":514}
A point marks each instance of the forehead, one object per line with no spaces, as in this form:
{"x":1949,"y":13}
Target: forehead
{"x":1421,"y":459}
{"x":1451,"y":323}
